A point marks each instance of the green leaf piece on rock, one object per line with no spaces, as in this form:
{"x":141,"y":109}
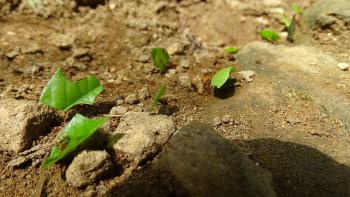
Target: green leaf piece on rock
{"x":220,"y":77}
{"x":231,"y":50}
{"x":75,"y":133}
{"x":63,"y":94}
{"x":160,"y":58}
{"x":269,"y":35}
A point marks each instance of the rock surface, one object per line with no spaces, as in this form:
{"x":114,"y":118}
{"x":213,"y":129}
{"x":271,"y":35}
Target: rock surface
{"x":308,"y":68}
{"x":87,"y":167}
{"x":208,"y":165}
{"x":325,"y":13}
{"x":22,"y":121}
{"x":298,"y":96}
{"x":142,"y":135}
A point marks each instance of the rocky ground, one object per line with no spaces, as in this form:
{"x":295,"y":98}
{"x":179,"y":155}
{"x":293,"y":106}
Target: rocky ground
{"x":280,"y":130}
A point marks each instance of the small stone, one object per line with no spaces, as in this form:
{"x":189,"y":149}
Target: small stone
{"x":226,"y":119}
{"x":113,"y":69}
{"x":22,"y":122}
{"x":144,"y":59}
{"x":185,"y":81}
{"x":119,"y":101}
{"x":284,"y":34}
{"x":33,"y":48}
{"x":144,"y":94}
{"x":184,"y":64}
{"x":246,"y":75}
{"x":35,"y":69}
{"x":112,"y":5}
{"x":206,"y":71}
{"x":216,"y":121}
{"x":87,"y":167}
{"x":175,"y":48}
{"x":198,"y":83}
{"x":272,"y":3}
{"x":137,"y":109}
{"x":293,"y":121}
{"x":63,"y":41}
{"x":80,"y":66}
{"x":171,"y":73}
{"x":118,"y":110}
{"x":80,"y":52}
{"x":13,"y":53}
{"x":131,"y":99}
{"x":142,"y":134}
{"x":70,"y":61}
{"x":277,"y":10}
{"x":343,"y":66}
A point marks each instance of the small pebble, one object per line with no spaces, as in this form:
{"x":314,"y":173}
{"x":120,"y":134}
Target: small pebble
{"x":185,"y":81}
{"x":272,"y":3}
{"x":33,"y":48}
{"x":175,"y":48}
{"x":144,"y":58}
{"x":292,"y":121}
{"x":118,"y":110}
{"x":170,"y":73}
{"x":138,"y":109}
{"x":226,"y":119}
{"x":206,"y":71}
{"x":185,"y":64}
{"x":198,"y":83}
{"x":246,"y":75}
{"x":119,"y":101}
{"x":343,"y":66}
{"x":143,"y":93}
{"x":12,"y":54}
{"x":63,"y":41}
{"x":131,"y":99}
{"x":216,"y":121}
{"x":79,"y":52}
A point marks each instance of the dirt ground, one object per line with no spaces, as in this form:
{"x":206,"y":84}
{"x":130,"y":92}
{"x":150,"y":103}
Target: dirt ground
{"x":112,"y":40}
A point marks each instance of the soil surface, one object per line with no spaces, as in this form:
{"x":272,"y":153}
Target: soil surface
{"x":291,"y":120}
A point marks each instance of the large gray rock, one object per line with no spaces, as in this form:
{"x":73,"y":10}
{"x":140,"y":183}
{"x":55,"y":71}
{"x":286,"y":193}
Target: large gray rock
{"x":141,"y":134}
{"x":87,"y":167}
{"x":325,"y":13}
{"x":21,"y":122}
{"x":206,"y":164}
{"x":298,"y":96}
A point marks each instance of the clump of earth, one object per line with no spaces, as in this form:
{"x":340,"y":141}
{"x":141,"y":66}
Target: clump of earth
{"x":280,"y":128}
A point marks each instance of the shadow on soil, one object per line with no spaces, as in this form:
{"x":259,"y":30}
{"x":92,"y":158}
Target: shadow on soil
{"x":226,"y":91}
{"x":297,"y":170}
{"x":300,"y":170}
{"x":150,"y":182}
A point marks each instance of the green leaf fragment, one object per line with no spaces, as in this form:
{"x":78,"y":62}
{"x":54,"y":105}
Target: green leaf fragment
{"x":160,"y":58}
{"x":297,"y":9}
{"x":285,"y":21}
{"x":76,"y":132}
{"x":63,"y":94}
{"x":269,"y":35}
{"x":231,"y":50}
{"x":160,"y":93}
{"x":220,"y":77}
